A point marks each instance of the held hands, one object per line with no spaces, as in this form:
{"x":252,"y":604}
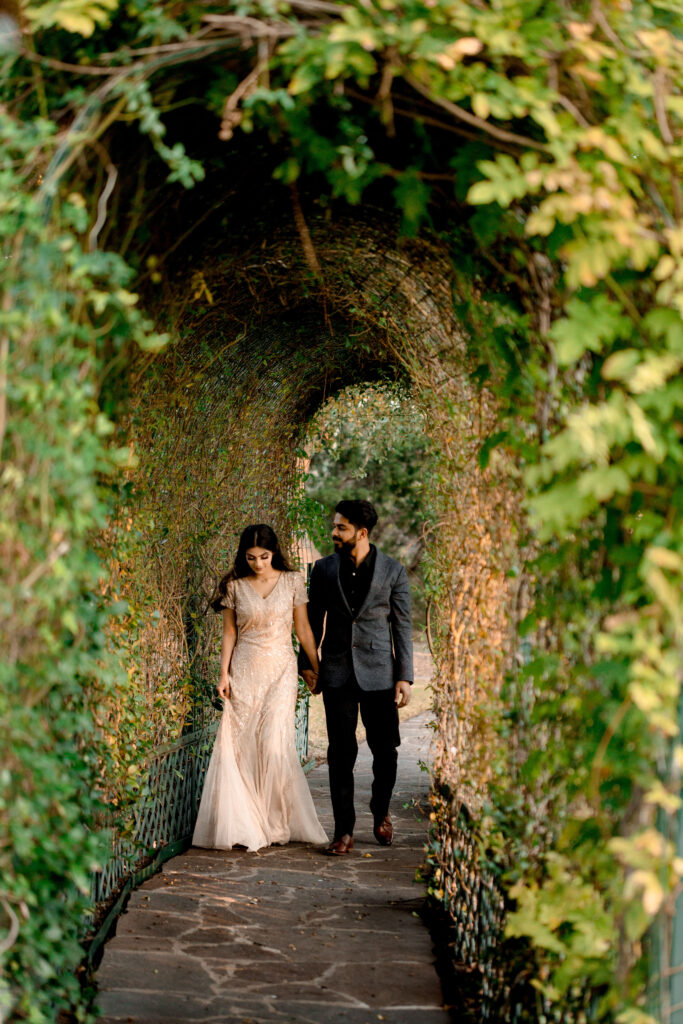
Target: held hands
{"x":224,"y":688}
{"x":402,"y":693}
{"x":311,"y":679}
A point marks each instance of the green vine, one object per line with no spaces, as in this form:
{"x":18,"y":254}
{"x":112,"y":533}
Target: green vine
{"x":69,"y":710}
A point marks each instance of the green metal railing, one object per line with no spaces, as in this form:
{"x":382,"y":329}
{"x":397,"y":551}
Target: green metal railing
{"x":164,"y":819}
{"x":477,"y":910}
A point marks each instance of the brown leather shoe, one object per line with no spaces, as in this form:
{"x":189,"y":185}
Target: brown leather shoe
{"x":384,"y":831}
{"x":341,"y":846}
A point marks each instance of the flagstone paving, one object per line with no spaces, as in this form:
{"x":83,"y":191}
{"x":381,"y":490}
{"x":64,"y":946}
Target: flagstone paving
{"x":286,"y":935}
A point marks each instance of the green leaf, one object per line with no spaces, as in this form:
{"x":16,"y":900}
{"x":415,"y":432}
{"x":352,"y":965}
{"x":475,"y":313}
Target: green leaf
{"x":79,"y":16}
{"x":411,"y":195}
{"x":505,"y":181}
{"x":588,"y":326}
{"x":620,"y":365}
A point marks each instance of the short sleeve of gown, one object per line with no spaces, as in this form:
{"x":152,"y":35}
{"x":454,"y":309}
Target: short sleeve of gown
{"x":299,"y":587}
{"x":229,"y":600}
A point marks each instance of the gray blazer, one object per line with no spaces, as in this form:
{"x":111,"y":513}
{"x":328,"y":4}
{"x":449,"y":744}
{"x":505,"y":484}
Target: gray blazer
{"x":376,"y":646}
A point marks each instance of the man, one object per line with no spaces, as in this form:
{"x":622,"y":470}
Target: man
{"x":360,"y":598}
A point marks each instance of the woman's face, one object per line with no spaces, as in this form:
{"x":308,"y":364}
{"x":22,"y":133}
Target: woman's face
{"x":259,"y":560}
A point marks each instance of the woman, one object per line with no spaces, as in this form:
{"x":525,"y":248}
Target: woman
{"x":255,"y":791}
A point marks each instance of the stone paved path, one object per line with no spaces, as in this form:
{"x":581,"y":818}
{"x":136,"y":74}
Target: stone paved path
{"x":286,"y":935}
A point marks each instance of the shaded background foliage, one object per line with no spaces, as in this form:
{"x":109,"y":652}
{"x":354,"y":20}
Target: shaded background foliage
{"x":370,"y":442}
{"x":538,"y":317}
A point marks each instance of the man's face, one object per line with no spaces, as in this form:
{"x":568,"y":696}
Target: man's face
{"x":344,"y":535}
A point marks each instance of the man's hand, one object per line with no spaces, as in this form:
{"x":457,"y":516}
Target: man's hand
{"x":311,"y":679}
{"x":402,"y":693}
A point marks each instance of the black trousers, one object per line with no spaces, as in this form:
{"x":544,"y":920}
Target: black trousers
{"x":380,"y":718}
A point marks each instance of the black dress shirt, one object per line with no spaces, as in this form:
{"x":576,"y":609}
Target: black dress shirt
{"x":356,"y":579}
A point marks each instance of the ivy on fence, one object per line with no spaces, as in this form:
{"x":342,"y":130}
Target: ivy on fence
{"x":68,"y":710}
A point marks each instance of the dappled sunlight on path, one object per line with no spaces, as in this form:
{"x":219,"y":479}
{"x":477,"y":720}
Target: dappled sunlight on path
{"x":286,"y":934}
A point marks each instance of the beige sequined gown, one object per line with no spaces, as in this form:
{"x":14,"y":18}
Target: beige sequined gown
{"x":255,"y":791}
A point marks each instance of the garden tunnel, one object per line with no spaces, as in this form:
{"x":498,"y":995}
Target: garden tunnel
{"x":259,"y":343}
{"x":273,"y":298}
{"x":266,"y":323}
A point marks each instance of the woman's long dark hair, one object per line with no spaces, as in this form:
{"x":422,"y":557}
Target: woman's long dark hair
{"x":257,"y":536}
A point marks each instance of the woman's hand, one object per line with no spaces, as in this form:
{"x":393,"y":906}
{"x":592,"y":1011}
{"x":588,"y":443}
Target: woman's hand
{"x":304,"y":635}
{"x":311,"y":679}
{"x":224,"y":688}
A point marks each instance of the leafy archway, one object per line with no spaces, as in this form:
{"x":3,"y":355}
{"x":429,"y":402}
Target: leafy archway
{"x":218,"y":418}
{"x":543,"y":328}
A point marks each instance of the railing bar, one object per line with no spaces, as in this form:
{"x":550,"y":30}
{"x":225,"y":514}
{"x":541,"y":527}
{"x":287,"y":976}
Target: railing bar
{"x":166,"y":814}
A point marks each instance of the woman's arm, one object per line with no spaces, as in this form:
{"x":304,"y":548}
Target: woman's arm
{"x":227,"y":646}
{"x":315,"y":613}
{"x":304,"y":634}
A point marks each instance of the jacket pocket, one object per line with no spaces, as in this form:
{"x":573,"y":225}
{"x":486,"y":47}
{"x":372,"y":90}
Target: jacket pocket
{"x":380,"y":645}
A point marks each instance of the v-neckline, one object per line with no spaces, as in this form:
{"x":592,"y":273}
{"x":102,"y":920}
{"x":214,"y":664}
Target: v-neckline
{"x":263,"y":597}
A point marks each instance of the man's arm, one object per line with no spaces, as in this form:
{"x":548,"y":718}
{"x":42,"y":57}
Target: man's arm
{"x":402,"y":635}
{"x":316,"y":613}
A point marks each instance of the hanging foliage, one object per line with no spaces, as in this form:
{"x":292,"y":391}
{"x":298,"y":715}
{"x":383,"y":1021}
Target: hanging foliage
{"x":69,"y":712}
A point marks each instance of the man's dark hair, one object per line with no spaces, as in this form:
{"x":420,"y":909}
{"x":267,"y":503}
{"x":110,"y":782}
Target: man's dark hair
{"x":358,"y":512}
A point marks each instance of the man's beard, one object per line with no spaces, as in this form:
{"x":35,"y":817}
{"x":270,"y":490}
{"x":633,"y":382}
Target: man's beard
{"x":345,"y":547}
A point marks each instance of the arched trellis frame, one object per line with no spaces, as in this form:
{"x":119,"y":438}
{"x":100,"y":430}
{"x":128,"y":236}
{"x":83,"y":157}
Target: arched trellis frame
{"x":259,"y":341}
{"x":217,"y":418}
